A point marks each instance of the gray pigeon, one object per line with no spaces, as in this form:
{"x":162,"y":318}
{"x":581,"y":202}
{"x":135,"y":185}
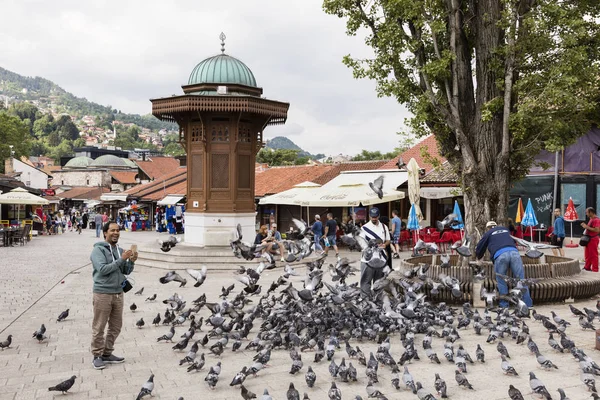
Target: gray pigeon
{"x":538,"y":387}
{"x":563,"y":396}
{"x":64,"y":386}
{"x":147,"y":388}
{"x":6,"y":343}
{"x":63,"y":315}
{"x":310,"y":377}
{"x":266,"y":395}
{"x":440,"y":386}
{"x":377,"y":186}
{"x":507,"y":368}
{"x":246,"y":394}
{"x":334,"y":392}
{"x":292,"y":393}
{"x":514,"y":393}
{"x":462,"y":380}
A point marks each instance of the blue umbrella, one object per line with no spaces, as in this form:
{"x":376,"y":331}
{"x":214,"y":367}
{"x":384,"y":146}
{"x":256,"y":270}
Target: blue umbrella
{"x":413,"y":221}
{"x":461,"y":224}
{"x":529,"y":218}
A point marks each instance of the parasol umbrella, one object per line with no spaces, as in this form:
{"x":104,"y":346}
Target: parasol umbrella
{"x":571,"y":216}
{"x":21,"y":196}
{"x":529,"y":218}
{"x":414,"y":187}
{"x":413,"y":221}
{"x":520,"y":212}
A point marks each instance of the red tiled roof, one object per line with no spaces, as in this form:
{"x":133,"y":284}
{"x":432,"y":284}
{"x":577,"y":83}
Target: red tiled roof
{"x":277,"y":179}
{"x":442,"y":174}
{"x":415,"y":152}
{"x":83,"y":193}
{"x":161,"y":187}
{"x":337,"y":169}
{"x":179,"y":188}
{"x":124,"y":177}
{"x":156,"y":167}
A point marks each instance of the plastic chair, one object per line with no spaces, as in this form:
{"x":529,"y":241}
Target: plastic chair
{"x":405,"y":239}
{"x":549,"y":234}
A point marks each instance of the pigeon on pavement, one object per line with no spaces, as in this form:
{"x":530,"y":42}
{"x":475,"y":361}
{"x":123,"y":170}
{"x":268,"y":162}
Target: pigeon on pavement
{"x":63,"y":315}
{"x":538,"y":387}
{"x":139,"y":292}
{"x":64,"y":386}
{"x":6,"y":343}
{"x":147,"y":388}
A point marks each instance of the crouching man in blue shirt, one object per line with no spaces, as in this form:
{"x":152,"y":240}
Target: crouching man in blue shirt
{"x":504,"y":254}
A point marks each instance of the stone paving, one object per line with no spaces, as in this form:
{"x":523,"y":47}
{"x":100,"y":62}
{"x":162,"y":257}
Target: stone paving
{"x":31,"y":293}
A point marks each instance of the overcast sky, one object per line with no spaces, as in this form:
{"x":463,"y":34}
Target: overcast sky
{"x":122,"y":53}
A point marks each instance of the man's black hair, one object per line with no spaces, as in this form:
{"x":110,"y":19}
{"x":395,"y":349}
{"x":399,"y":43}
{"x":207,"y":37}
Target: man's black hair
{"x":106,"y":226}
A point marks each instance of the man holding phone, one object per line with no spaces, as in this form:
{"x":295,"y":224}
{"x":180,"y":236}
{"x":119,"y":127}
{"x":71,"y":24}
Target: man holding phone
{"x":110,"y":265}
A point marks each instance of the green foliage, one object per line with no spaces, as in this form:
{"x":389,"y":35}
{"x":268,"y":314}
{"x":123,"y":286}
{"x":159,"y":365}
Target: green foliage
{"x":13,"y":132}
{"x":280,"y":157}
{"x":281,"y":142}
{"x":366,"y":155}
{"x":64,"y":148}
{"x":173,"y":149}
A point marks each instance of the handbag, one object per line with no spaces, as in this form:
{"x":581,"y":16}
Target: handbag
{"x":127,"y":286}
{"x":584,"y":240}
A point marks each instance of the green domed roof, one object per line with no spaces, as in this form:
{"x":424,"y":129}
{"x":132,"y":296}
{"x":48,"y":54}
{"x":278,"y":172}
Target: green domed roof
{"x":222,"y":69}
{"x":79,"y":162}
{"x":108,"y":160}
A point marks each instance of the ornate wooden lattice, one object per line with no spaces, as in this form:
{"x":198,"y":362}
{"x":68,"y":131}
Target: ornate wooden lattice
{"x":245,"y":134}
{"x":196,"y":132}
{"x":197,"y":171}
{"x":220,"y":133}
{"x":220,"y":171}
{"x":244,"y":171}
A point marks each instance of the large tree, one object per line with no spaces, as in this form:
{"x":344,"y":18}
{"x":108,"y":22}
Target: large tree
{"x":15,"y":133}
{"x":494,"y":80}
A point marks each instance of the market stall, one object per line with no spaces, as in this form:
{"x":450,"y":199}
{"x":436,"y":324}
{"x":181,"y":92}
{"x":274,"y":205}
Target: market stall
{"x":134,"y":217}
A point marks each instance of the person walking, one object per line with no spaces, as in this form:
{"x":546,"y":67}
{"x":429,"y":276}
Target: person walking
{"x":98,"y":223}
{"x":504,"y":255}
{"x":317,"y":230}
{"x":395,"y":233}
{"x":329,"y":236}
{"x":591,"y":250}
{"x":558,"y":233}
{"x":110,"y":265}
{"x":84,"y":220}
{"x":373,"y":230}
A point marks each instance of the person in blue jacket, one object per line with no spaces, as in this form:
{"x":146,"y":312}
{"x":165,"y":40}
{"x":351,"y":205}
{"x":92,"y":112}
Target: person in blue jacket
{"x":504,"y":255}
{"x":558,"y":234}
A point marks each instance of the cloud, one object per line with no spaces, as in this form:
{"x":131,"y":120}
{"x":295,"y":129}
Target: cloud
{"x":122,"y":53}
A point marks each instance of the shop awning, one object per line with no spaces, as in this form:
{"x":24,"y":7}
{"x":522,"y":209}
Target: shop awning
{"x":114,"y":197}
{"x":351,"y":189}
{"x":92,"y":203}
{"x":440,"y":192}
{"x":293,"y":196}
{"x":170,"y":200}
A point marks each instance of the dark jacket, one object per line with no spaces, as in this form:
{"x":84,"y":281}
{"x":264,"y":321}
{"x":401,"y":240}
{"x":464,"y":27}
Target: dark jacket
{"x":109,"y":270}
{"x":493,"y":240}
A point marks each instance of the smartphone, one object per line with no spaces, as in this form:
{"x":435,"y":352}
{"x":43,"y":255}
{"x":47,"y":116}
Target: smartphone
{"x":134,"y":248}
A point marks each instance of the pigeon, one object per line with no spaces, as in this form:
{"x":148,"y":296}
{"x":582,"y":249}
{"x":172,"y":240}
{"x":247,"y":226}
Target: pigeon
{"x":239,"y":378}
{"x":449,"y":220}
{"x":198,"y":275}
{"x":39,"y":334}
{"x":554,"y":344}
{"x":292,"y":393}
{"x":198,"y":364}
{"x":589,"y":381}
{"x":544,"y":362}
{"x":533,"y":248}
{"x":310,"y":377}
{"x":479,"y":354}
{"x":139,"y":292}
{"x":507,"y":368}
{"x":173,"y":276}
{"x":538,"y":387}
{"x":266,"y":395}
{"x":514,"y":393}
{"x":168,"y":336}
{"x":156,"y":320}
{"x":440,"y":386}
{"x":502,"y":349}
{"x":246,"y":394}
{"x":133,"y":307}
{"x":422,"y":393}
{"x":464,"y":248}
{"x":563,"y":396}
{"x":444,"y":260}
{"x":63,"y":315}
{"x":377,"y":186}
{"x":462,"y":380}
{"x":147,"y":388}
{"x":63,"y":386}
{"x":140,"y":323}
{"x":585,"y":324}
{"x":334,"y":392}
{"x":6,"y":344}
{"x":408,"y":381}
{"x":151,"y":298}
{"x":167,"y":245}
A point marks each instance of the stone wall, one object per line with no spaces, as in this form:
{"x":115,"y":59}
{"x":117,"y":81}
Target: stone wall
{"x":82,"y":178}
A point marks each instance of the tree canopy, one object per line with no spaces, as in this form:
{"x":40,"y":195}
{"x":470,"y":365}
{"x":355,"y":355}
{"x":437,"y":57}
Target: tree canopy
{"x":280,"y":157}
{"x":366,"y":155}
{"x":13,"y":132}
{"x":494,"y":80}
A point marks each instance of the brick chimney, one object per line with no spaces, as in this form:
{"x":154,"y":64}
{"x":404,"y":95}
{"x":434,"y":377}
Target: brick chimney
{"x":8,"y":166}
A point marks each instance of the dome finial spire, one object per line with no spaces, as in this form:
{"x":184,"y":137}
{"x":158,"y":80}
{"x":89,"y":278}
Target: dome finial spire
{"x":222,"y":37}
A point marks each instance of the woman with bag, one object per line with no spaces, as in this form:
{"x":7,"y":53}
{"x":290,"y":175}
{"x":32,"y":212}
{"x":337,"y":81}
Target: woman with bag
{"x":592,"y":228}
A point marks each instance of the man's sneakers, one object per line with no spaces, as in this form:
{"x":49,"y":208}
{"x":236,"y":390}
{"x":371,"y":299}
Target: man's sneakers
{"x":112,"y":359}
{"x":395,"y":255}
{"x":98,"y":363}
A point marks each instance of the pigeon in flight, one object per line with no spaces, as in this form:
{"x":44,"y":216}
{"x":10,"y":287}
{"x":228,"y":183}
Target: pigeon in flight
{"x":173,"y":276}
{"x":151,"y":298}
{"x":147,"y":388}
{"x":139,"y":292}
{"x":533,"y":248}
{"x":167,"y":245}
{"x":449,"y":220}
{"x":377,"y":186}
{"x":63,"y":315}
{"x":198,"y":275}
{"x":63,"y":386}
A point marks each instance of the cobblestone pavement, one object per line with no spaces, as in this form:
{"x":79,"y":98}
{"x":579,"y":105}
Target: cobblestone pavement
{"x":35,"y":291}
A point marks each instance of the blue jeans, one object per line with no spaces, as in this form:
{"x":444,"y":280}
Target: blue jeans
{"x":513,"y":260}
{"x":98,"y":230}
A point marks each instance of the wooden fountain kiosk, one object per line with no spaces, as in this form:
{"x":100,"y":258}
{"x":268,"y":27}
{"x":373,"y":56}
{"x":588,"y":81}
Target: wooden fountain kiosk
{"x":221,"y":116}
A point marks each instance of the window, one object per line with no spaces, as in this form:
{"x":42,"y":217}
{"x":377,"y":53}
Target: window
{"x":577,"y":192}
{"x":87,"y":182}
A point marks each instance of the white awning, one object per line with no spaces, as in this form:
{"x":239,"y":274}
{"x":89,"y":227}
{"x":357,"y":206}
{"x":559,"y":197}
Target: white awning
{"x":92,"y":203}
{"x":170,"y":200}
{"x":351,"y":189}
{"x":114,"y":197}
{"x":440,"y":192}
{"x":294,"y":196}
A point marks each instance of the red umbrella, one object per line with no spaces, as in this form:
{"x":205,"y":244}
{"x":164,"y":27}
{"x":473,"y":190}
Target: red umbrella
{"x":571,"y":216}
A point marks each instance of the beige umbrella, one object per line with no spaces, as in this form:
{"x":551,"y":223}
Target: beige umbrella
{"x":414,"y":188}
{"x":21,"y":196}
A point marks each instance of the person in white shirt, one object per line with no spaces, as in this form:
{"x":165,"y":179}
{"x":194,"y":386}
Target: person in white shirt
{"x":369,"y":231}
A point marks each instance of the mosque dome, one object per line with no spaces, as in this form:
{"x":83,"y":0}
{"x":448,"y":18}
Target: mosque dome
{"x":79,"y":162}
{"x":109,"y":160}
{"x":222,"y":69}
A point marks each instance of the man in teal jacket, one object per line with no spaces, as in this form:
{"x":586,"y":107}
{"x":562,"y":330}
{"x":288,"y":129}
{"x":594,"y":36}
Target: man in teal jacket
{"x":110,"y":265}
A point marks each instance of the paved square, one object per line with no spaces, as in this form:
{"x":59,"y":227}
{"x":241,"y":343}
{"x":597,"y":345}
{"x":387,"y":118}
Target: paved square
{"x":31,"y":293}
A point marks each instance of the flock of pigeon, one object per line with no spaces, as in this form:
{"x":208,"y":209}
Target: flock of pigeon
{"x":331,"y":323}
